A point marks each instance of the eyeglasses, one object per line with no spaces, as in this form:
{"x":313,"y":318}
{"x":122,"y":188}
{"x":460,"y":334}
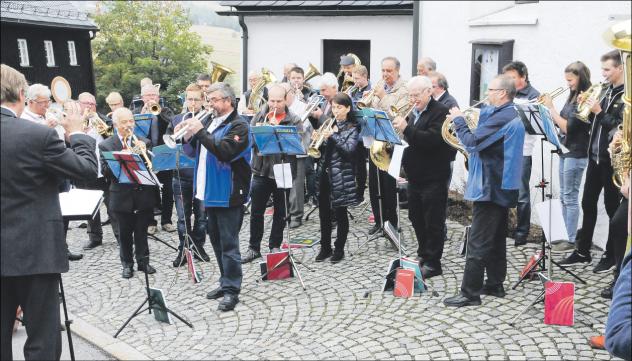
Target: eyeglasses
{"x":492,"y":90}
{"x":47,"y":101}
{"x":215,"y":100}
{"x":415,"y":96}
{"x":115,"y":104}
{"x":194,"y":99}
{"x":87,"y":103}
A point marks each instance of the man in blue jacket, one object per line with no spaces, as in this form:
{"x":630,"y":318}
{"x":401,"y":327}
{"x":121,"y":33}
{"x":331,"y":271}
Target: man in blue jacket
{"x":222,"y":181}
{"x":495,"y":154}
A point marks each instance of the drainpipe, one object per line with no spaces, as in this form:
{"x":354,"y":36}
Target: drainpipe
{"x":244,"y":53}
{"x":416,"y":46}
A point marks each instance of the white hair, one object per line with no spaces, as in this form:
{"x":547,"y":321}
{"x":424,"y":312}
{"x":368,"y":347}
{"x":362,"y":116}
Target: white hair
{"x":419,"y":81}
{"x":149,"y":87}
{"x":329,"y":79}
{"x":37,"y":90}
{"x":121,"y":113}
{"x":430,"y":64}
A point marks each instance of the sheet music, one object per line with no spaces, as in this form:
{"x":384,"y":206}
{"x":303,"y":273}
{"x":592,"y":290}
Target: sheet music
{"x":80,"y":202}
{"x":558,"y":227}
{"x":283,"y":175}
{"x":396,"y":159}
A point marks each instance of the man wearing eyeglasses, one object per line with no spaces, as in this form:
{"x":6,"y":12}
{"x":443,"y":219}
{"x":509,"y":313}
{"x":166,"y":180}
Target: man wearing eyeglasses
{"x":182,"y":182}
{"x":427,"y":164}
{"x":38,"y":102}
{"x":221,"y":147}
{"x":492,"y":184}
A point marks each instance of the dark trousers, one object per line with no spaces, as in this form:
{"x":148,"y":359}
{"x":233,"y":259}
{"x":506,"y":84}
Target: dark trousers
{"x":164,"y":197}
{"x":310,"y":179}
{"x":95,"y":230}
{"x":486,"y":249}
{"x":187,"y":205}
{"x":361,"y":154}
{"x":387,"y":190}
{"x":325,"y":215}
{"x":523,"y":211}
{"x":618,"y":233}
{"x":427,"y":213}
{"x":133,"y":233}
{"x":223,"y":229}
{"x":260,"y":190}
{"x":38,"y":295}
{"x":598,"y":176}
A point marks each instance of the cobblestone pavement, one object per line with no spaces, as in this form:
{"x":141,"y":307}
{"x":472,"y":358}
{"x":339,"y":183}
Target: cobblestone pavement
{"x":332,"y":319}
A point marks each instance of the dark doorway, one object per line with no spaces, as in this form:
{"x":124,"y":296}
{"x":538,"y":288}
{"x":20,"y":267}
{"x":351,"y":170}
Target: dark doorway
{"x":488,"y":59}
{"x":334,"y":49}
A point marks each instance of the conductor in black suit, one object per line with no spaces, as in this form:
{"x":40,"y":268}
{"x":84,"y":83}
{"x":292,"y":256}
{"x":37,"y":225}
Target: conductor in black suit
{"x":33,"y":245}
{"x":427,"y":165}
{"x":131,"y":204}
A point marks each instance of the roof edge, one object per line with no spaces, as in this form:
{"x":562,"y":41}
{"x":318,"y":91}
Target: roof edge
{"x":333,"y":11}
{"x":49,"y":24}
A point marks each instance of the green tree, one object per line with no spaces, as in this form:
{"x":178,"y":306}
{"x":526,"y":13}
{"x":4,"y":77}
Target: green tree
{"x":139,"y":39}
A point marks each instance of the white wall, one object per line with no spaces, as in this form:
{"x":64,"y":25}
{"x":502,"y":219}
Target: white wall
{"x":565,"y":32}
{"x":277,"y":40}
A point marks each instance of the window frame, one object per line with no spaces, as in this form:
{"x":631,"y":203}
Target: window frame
{"x":23,"y":53}
{"x":72,"y":53}
{"x":50,"y":55}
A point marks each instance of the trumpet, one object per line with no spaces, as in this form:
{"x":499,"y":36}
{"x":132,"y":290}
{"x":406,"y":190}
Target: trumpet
{"x":138,"y":147}
{"x":366,"y":101}
{"x":267,"y":119}
{"x":319,"y":137}
{"x":171,"y":139}
{"x":153,"y":107}
{"x":312,"y":104}
{"x":553,"y":94}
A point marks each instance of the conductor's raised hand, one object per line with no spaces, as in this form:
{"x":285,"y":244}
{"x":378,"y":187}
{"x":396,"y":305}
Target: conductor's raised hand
{"x":72,"y":119}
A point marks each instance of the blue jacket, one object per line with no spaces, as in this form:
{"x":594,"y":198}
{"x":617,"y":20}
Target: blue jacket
{"x":495,"y":155}
{"x":619,"y":324}
{"x":227,"y":161}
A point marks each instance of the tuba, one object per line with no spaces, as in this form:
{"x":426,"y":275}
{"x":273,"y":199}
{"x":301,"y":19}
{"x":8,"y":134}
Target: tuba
{"x":256,"y":93}
{"x":583,"y":109}
{"x":347,"y":80}
{"x":619,"y":37}
{"x":220,"y":72}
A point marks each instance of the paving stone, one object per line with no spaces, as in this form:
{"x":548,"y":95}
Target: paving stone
{"x":331,"y":319}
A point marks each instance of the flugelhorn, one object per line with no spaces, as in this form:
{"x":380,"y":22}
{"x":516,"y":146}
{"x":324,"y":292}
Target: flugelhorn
{"x":137,"y":147}
{"x":319,"y":137}
{"x":583,"y":108}
{"x":93,"y":120}
{"x":368,"y":99}
{"x":172,"y":139}
{"x":153,"y":107}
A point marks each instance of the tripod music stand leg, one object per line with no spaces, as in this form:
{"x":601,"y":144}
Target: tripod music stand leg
{"x":155,"y":238}
{"x":568,"y":271}
{"x":536,"y":300}
{"x":298,"y":273}
{"x":177,"y":316}
{"x":136,"y":313}
{"x":67,"y":322}
{"x":310,"y":213}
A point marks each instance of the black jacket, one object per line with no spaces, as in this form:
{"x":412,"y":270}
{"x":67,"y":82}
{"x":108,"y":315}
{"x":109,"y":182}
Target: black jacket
{"x":125,"y":197}
{"x":448,"y":100}
{"x":337,"y":162}
{"x":605,"y":124}
{"x":428,"y":156}
{"x":34,"y":160}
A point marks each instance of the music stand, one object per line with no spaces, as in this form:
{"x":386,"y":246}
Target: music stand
{"x":129,"y":168}
{"x":281,"y":140}
{"x":537,"y":121}
{"x":77,"y":204}
{"x":376,"y":125}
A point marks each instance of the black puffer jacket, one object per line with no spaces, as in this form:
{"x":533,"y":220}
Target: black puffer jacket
{"x":337,"y":161}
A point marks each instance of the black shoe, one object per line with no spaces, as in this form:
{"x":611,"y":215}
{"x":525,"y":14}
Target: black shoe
{"x":337,"y":256}
{"x":374,"y":229}
{"x":605,"y":264}
{"x":607,"y":292}
{"x":575,"y":258}
{"x":128,"y":272}
{"x":520,"y":241}
{"x":180,"y":260}
{"x":83,"y":225}
{"x":460,"y":301}
{"x":323,"y":254}
{"x":215,"y":294}
{"x":74,"y":256}
{"x":496,"y":291}
{"x":429,"y":272}
{"x":92,"y":244}
{"x":147,"y":268}
{"x":203,"y":256}
{"x":295,"y":223}
{"x":250,"y":256}
{"x":228,"y":303}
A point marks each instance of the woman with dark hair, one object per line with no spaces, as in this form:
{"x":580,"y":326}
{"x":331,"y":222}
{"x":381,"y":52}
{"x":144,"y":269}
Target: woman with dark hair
{"x":574,"y":136}
{"x":336,"y":177}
